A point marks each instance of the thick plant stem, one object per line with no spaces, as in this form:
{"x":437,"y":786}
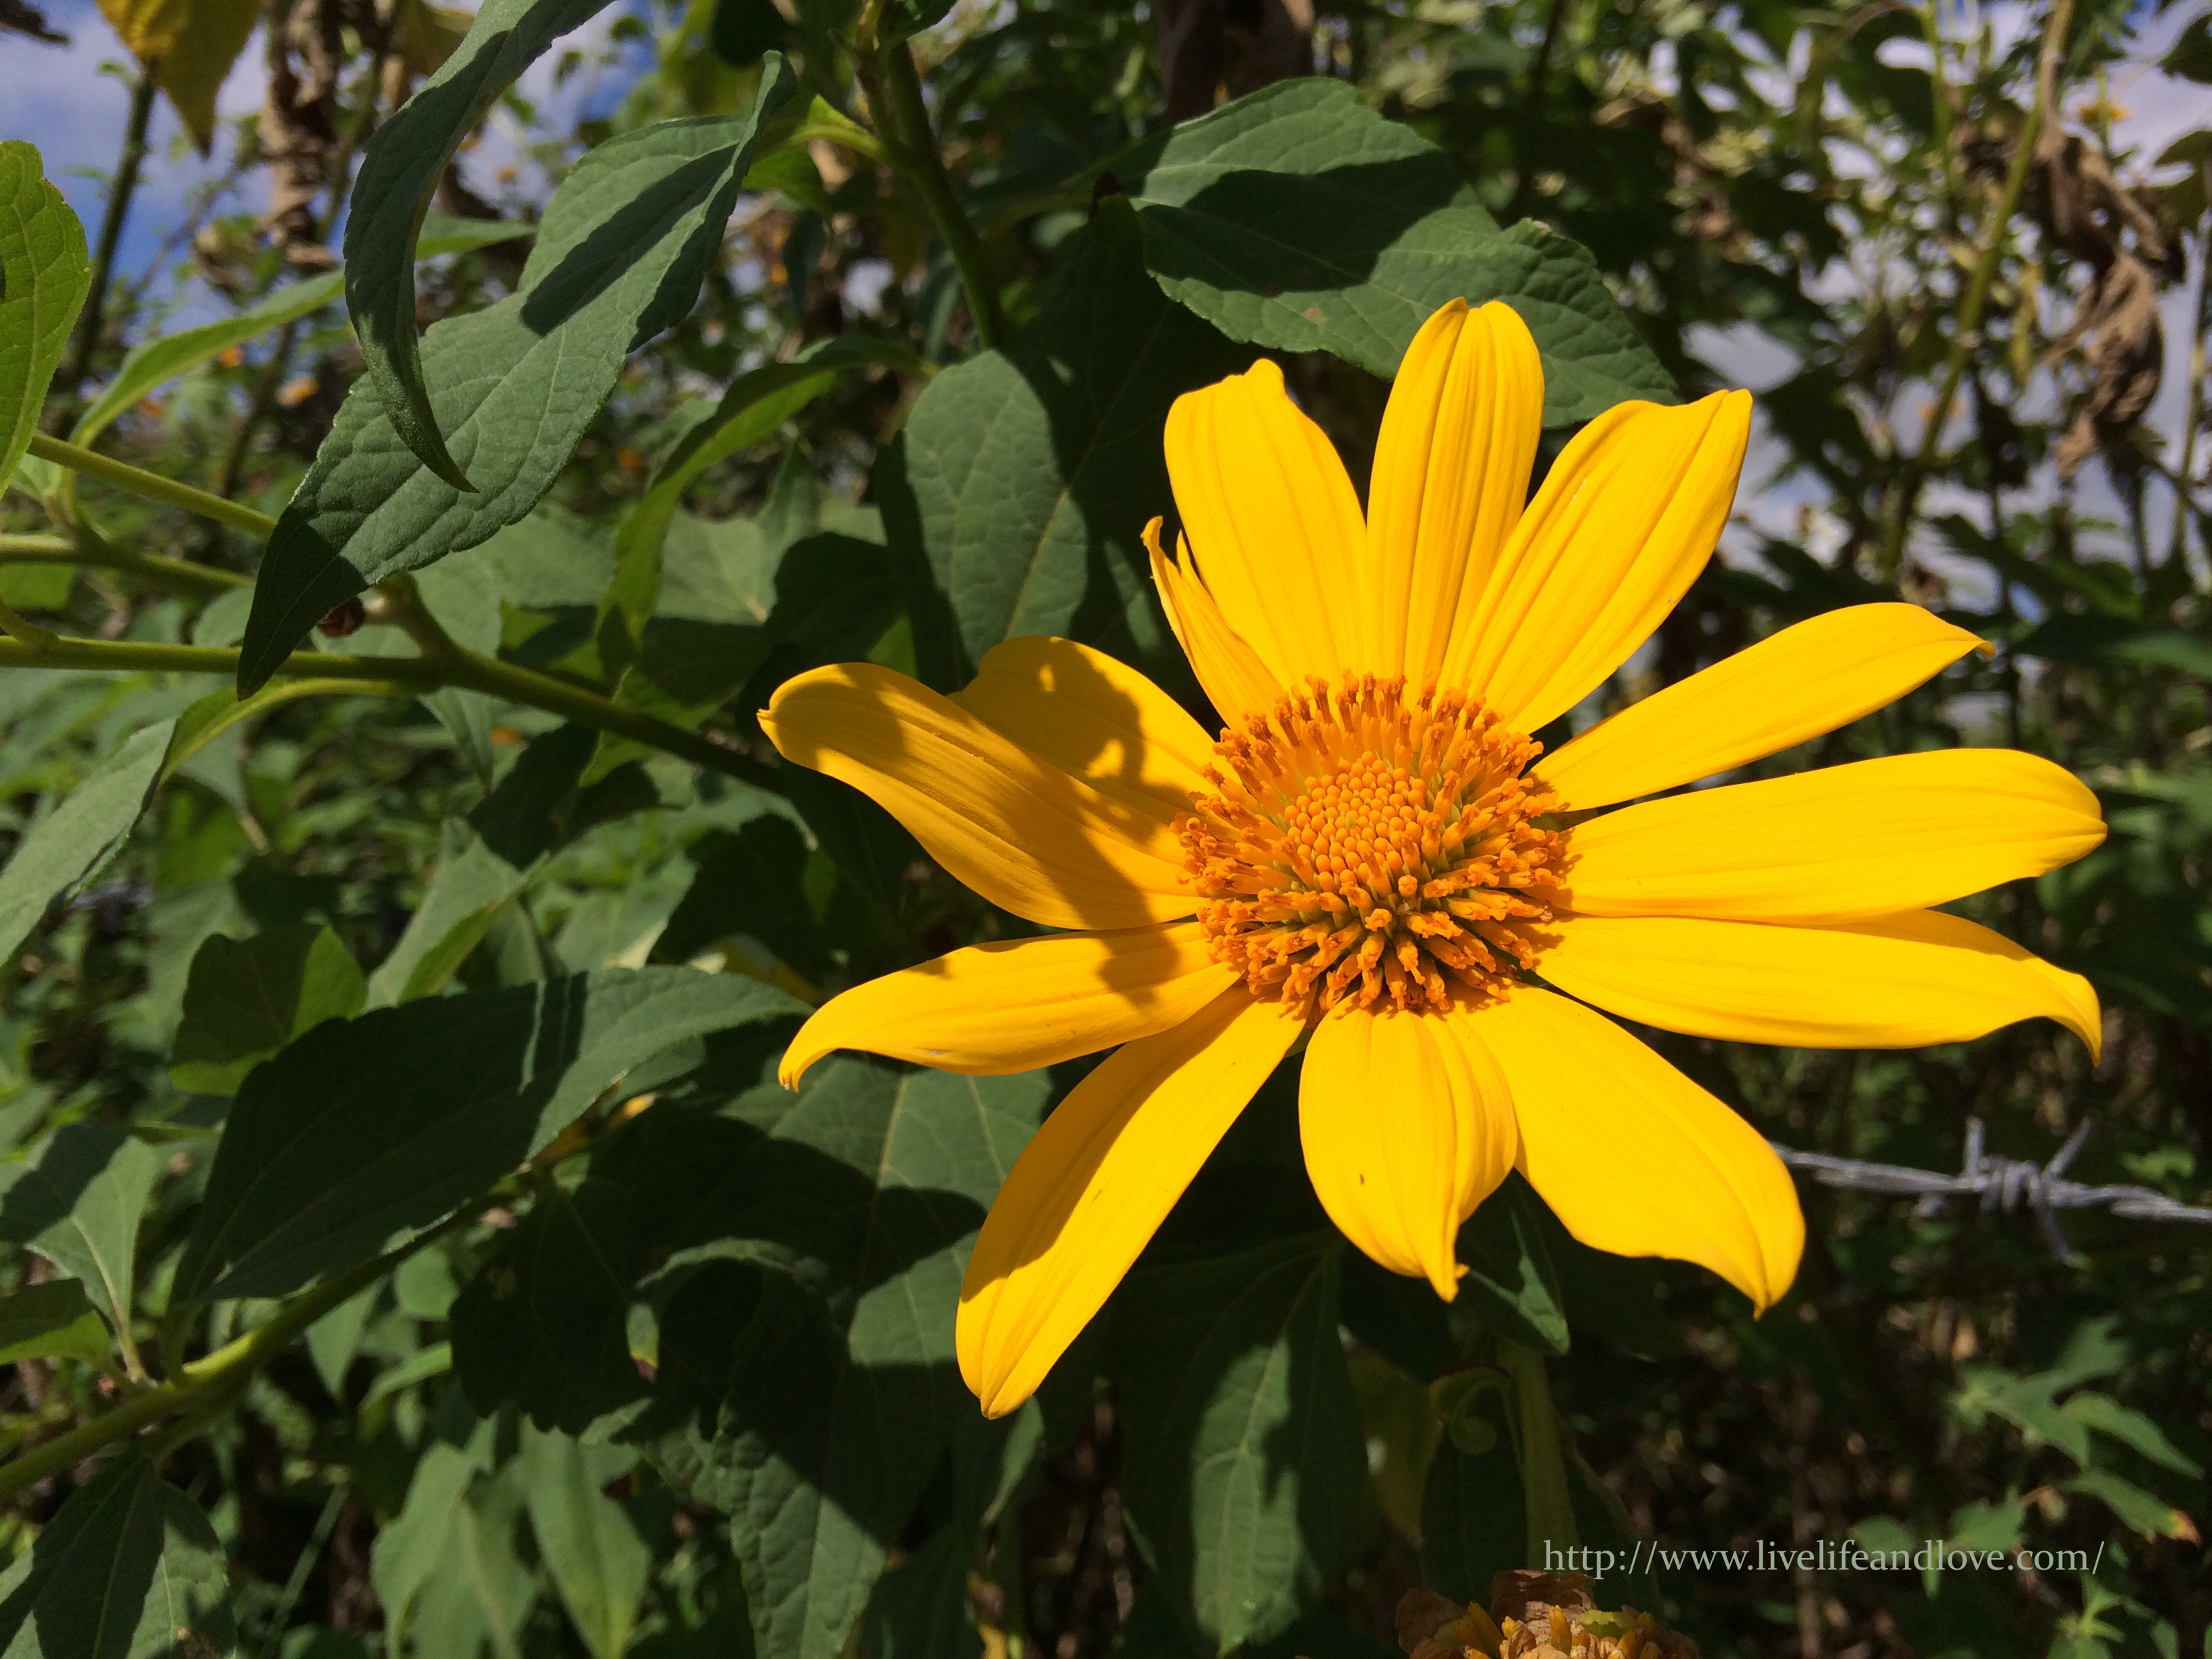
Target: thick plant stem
{"x":139,"y":481}
{"x":209,"y":1380}
{"x":178,"y":575}
{"x":1966,"y":338}
{"x":110,"y":230}
{"x":407,"y":676}
{"x":909,"y":119}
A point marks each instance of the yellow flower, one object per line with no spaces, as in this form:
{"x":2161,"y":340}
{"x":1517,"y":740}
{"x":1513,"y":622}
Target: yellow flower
{"x":1367,"y":856}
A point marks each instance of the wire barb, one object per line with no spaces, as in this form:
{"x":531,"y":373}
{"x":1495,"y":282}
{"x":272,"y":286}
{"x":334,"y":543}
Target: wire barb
{"x":2003,"y":1184}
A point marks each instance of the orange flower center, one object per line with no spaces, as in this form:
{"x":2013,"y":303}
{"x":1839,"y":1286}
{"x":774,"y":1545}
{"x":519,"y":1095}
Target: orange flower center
{"x":1369,"y":844}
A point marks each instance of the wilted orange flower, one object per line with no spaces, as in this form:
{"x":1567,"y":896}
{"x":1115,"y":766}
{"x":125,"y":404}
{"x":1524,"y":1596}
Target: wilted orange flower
{"x":1373,"y":860}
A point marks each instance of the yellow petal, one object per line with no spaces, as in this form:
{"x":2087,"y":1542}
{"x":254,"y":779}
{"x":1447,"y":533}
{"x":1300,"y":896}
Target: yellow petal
{"x":1237,"y":681}
{"x":1627,"y":518}
{"x":1451,"y":470}
{"x":1015,"y":827}
{"x":1842,"y":844}
{"x":992,"y":1009}
{"x":1093,"y":1186}
{"x":1094,"y":719}
{"x":1802,"y":682}
{"x":1895,"y":983}
{"x":1272,"y":519}
{"x":1405,"y":1130}
{"x":1633,"y":1157}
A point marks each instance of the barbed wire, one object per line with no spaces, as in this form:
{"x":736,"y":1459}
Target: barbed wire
{"x":2003,"y":1184}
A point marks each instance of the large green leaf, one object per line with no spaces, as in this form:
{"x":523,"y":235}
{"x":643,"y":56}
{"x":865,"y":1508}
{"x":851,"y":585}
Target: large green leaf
{"x":1035,"y":469}
{"x":597,"y":1562}
{"x":375,"y":1127}
{"x":1298,"y":218}
{"x":129,"y":1570}
{"x":55,"y":1320}
{"x":154,"y":361}
{"x":1244,"y":1456}
{"x":44,"y":275}
{"x":245,"y":1001}
{"x":76,"y":1200}
{"x":808,"y":1313}
{"x":619,"y":255}
{"x":67,"y":849}
{"x":545,"y":1325}
{"x":399,"y":170}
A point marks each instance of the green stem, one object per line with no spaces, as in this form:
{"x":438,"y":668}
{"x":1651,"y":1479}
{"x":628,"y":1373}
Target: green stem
{"x":208,"y":1383}
{"x":86,"y":547}
{"x":406,"y":676}
{"x":110,"y":230}
{"x":1551,"y":1510}
{"x":1967,"y":337}
{"x":140,"y":482}
{"x":904,"y":110}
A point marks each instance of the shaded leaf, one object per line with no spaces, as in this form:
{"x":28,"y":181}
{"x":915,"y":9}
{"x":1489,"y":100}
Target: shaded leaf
{"x":809,"y":1312}
{"x":376,"y":1126}
{"x":619,"y":257}
{"x":1244,"y":1456}
{"x":43,"y":276}
{"x":129,"y":1570}
{"x":66,"y":849}
{"x":52,"y":1321}
{"x":77,"y":1200}
{"x":1299,"y":219}
{"x":245,"y":1001}
{"x":470,"y":885}
{"x":1510,"y":1279}
{"x":543,"y":1325}
{"x":1035,"y":469}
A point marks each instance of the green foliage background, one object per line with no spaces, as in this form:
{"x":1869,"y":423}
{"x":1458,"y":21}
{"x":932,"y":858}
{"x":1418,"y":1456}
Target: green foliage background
{"x":413,"y":1251}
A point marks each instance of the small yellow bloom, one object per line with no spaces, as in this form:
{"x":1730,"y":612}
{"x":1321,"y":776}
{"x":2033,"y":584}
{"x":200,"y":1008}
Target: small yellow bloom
{"x":1368,"y":854}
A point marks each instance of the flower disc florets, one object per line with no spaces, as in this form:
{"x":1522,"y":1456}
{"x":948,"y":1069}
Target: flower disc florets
{"x":1367,"y":844}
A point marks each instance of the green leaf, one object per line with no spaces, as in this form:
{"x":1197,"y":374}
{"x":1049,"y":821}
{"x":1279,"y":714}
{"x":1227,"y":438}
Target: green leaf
{"x":809,"y":1313}
{"x":2191,"y":57}
{"x":1297,"y":218}
{"x":620,"y":254}
{"x":377,"y":1126}
{"x":77,"y":1200}
{"x":544,"y":1324}
{"x":245,"y":1001}
{"x":1245,"y":1458}
{"x":52,"y":1321}
{"x":152,"y":362}
{"x":753,"y":882}
{"x":922,"y":1608}
{"x":2131,"y":1428}
{"x":597,"y":1562}
{"x":467,"y":891}
{"x":1513,"y":1286}
{"x":44,"y":278}
{"x":2146,"y":1512}
{"x":418,"y":1547}
{"x":400,"y":169}
{"x":64,"y":850}
{"x":1035,"y":471}
{"x":756,"y":404}
{"x":129,"y":1570}
{"x":2100,"y":640}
